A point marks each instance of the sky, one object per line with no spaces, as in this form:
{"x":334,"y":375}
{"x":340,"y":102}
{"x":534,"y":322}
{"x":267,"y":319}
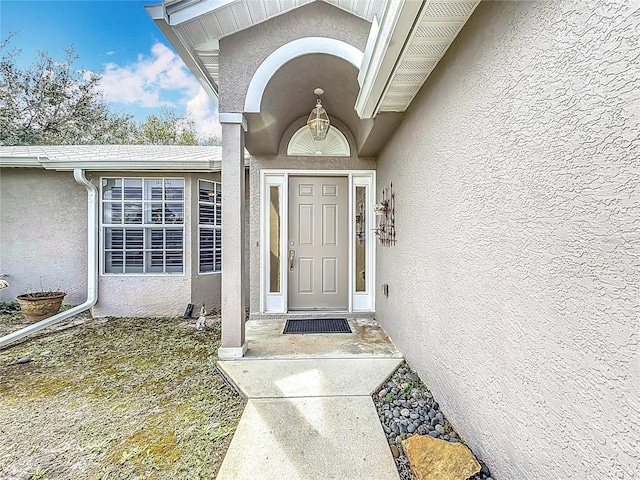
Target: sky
{"x":117,"y":38}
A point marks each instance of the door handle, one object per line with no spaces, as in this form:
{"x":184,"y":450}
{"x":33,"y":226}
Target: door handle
{"x":292,"y":255}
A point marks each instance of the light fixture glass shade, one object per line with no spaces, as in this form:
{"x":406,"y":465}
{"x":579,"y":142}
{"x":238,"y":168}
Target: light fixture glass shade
{"x":318,"y":122}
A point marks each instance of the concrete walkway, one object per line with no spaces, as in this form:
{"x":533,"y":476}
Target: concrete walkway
{"x":309,"y":418}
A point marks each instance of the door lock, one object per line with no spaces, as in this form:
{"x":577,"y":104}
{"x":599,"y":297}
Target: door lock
{"x":292,"y":255}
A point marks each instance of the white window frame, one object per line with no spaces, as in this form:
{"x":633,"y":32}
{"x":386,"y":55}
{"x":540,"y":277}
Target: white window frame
{"x":215,"y":227}
{"x":146,"y":227}
{"x":278,"y":302}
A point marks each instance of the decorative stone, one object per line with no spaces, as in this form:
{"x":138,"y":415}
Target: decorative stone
{"x":413,"y":377}
{"x":405,"y":412}
{"x":24,"y":360}
{"x":439,"y":428}
{"x":433,"y":459}
{"x":394,"y":451}
{"x":383,"y":393}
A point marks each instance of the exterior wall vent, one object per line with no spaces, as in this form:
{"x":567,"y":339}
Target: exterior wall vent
{"x":302,"y":144}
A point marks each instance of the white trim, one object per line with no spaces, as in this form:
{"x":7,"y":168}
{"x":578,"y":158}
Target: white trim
{"x":230,"y":353}
{"x":142,"y":226}
{"x":368,"y":50}
{"x":141,"y":158}
{"x":289,"y":51}
{"x":365,"y":301}
{"x":271,"y":302}
{"x":303,"y":144}
{"x":180,"y":12}
{"x":278,"y":303}
{"x":233,"y":118}
{"x":395,"y":28}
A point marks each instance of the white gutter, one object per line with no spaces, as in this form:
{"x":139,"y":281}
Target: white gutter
{"x":384,"y":47}
{"x":92,"y":267}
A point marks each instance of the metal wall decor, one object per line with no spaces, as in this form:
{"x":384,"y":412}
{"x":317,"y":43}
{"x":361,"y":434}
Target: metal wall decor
{"x":386,"y":213}
{"x":361,"y":220}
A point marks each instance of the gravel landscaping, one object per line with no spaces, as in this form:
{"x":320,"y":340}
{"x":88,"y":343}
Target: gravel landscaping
{"x":406,"y":407}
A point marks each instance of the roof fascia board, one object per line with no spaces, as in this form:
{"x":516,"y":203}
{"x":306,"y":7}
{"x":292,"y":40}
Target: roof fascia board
{"x":159,"y":16}
{"x":20,"y":162}
{"x":139,"y":166}
{"x":185,"y":11}
{"x":167,"y":165}
{"x":396,"y":25}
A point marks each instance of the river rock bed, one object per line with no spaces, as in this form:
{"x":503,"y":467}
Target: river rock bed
{"x":406,"y":407}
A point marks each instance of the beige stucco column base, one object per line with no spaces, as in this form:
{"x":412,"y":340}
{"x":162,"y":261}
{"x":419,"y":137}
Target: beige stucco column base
{"x":230,"y":353}
{"x":234,"y":283}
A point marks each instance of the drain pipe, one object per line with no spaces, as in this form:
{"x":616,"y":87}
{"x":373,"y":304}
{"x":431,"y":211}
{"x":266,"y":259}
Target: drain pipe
{"x":92,"y":267}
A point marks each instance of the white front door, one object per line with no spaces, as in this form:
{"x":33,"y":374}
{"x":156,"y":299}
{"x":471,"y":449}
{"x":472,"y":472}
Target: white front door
{"x":318,"y":244}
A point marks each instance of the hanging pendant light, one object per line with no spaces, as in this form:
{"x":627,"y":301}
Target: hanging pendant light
{"x":318,"y":119}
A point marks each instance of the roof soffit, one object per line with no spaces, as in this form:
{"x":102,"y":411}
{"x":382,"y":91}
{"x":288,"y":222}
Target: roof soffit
{"x":412,"y":39}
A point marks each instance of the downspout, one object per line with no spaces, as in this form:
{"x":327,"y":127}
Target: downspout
{"x":92,"y":266}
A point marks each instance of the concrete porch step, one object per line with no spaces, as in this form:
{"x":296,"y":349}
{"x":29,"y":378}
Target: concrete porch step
{"x":308,"y":377}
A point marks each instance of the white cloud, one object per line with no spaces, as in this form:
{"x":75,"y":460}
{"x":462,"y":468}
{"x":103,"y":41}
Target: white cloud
{"x":152,"y":81}
{"x":205,"y":115}
{"x":111,"y":52}
{"x":157,"y":80}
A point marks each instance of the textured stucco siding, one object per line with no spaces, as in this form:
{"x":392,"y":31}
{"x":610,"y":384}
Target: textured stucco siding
{"x":514,"y":284}
{"x":284,"y":162}
{"x":242,"y":53}
{"x":43,"y":233}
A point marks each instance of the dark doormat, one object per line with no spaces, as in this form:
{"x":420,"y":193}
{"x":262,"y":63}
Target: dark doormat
{"x":317,"y":325}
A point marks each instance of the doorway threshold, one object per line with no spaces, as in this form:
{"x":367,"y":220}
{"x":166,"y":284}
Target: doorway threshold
{"x":311,"y":314}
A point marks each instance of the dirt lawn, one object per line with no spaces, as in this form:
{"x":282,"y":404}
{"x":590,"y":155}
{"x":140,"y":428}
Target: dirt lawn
{"x":114,"y":399}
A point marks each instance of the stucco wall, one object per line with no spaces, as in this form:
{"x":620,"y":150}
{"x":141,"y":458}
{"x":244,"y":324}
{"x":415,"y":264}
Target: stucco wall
{"x":241,"y":54}
{"x":281,"y":162}
{"x":43,"y":232}
{"x":514,"y":285}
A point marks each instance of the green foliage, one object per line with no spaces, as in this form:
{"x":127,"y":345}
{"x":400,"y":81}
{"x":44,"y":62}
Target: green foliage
{"x":52,"y":102}
{"x":167,"y":128}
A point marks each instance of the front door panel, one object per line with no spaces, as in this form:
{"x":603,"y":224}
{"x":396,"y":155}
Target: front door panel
{"x":318,"y":243}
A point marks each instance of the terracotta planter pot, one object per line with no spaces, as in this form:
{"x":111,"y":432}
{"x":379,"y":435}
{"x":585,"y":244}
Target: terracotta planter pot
{"x":40,"y":305}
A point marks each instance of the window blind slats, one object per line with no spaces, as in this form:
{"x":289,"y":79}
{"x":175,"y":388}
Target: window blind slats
{"x":150,"y":236}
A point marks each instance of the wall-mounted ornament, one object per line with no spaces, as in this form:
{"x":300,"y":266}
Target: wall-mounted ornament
{"x":361,"y":221}
{"x":385,"y":210}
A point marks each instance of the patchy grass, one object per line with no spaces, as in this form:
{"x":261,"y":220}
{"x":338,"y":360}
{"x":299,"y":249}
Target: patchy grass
{"x":117,"y":398}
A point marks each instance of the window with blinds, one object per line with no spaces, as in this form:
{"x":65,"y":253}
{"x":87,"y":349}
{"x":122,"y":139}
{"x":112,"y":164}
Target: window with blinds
{"x":210,"y":226}
{"x":143,"y":225}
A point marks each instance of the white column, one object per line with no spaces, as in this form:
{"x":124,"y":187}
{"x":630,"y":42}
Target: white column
{"x":234,"y":285}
